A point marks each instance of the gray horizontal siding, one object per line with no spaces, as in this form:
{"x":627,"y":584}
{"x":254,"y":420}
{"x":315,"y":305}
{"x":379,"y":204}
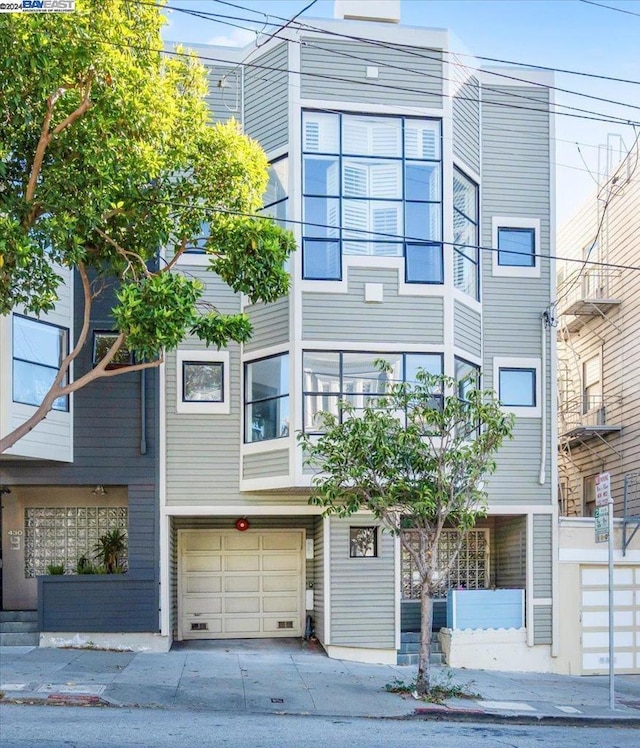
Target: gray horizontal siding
{"x":336,"y":69}
{"x":542,"y":555}
{"x":109,"y":603}
{"x":362,"y":591}
{"x":398,"y":319}
{"x":319,"y":599}
{"x":270,"y":324}
{"x":542,"y":624}
{"x":510,"y":552}
{"x":466,"y":123}
{"x":265,"y":98}
{"x":224,"y":101}
{"x":266,"y":465}
{"x":467,"y":329}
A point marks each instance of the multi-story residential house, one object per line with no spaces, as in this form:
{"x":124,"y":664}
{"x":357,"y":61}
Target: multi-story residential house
{"x":419,"y":189}
{"x":90,"y":467}
{"x":598,"y":319}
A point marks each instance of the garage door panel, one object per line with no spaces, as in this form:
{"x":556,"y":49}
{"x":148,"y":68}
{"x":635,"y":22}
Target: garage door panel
{"x":283,"y":625}
{"x":201,"y":605}
{"x":242,"y":583}
{"x":242,"y":625}
{"x":289,"y":562}
{"x":241,"y":541}
{"x":242,"y":563}
{"x":281,"y":541}
{"x":280,"y":604}
{"x":601,"y":598}
{"x":283,"y":583}
{"x":202,"y":562}
{"x":200,"y":540}
{"x":202,"y":584}
{"x":242,"y":604}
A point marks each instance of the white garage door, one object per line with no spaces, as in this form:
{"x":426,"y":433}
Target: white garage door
{"x":240,"y":584}
{"x":595,"y":619}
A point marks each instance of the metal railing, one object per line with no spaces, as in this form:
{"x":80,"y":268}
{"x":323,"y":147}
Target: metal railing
{"x":588,"y":411}
{"x":590,"y":284}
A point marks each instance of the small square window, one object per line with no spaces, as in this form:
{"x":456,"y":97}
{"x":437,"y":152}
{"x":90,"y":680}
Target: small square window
{"x":363,"y":542}
{"x":102,"y":342}
{"x":517,"y":387}
{"x":516,"y":247}
{"x":202,"y":381}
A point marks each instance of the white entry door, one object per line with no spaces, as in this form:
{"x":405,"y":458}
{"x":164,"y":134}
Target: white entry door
{"x":240,"y":584}
{"x":595,"y":619}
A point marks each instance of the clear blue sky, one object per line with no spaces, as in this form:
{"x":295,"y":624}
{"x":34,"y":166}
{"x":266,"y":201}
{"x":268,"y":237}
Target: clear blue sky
{"x":568,"y":34}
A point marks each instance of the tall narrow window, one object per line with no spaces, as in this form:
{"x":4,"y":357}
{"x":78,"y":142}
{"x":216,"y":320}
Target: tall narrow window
{"x":591,"y":384}
{"x":371,"y":186}
{"x":267,"y":398}
{"x":38,"y":350}
{"x":465,"y":235}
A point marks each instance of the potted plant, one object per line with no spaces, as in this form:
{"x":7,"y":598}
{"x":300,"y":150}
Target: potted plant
{"x":109,"y":548}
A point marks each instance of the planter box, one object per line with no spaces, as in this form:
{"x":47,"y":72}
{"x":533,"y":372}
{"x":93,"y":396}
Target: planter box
{"x":485,"y":609}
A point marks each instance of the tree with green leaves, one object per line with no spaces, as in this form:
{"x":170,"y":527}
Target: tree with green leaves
{"x":416,"y":457}
{"x":108,"y":155}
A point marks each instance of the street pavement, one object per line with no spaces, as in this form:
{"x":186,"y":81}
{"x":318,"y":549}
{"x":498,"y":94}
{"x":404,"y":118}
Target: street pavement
{"x":287,"y":676}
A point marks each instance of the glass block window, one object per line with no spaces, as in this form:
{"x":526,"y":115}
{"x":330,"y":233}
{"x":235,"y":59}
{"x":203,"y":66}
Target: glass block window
{"x":60,"y":535}
{"x":363,"y":542}
{"x":470,"y":570}
{"x":371,"y":186}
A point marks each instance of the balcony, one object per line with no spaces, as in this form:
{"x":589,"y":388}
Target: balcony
{"x":586,"y":295}
{"x":581,"y":420}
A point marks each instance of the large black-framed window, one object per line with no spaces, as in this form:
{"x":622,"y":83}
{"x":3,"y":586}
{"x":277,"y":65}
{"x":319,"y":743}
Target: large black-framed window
{"x":266,"y":397}
{"x":516,"y":247}
{"x":372,"y":186}
{"x":38,"y":350}
{"x":467,"y":376}
{"x":329,"y":377}
{"x":466,"y":235}
{"x":276,"y":196}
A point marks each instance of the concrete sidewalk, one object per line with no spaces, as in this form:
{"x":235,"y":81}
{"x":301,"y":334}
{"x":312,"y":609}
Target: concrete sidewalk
{"x":289,"y":676}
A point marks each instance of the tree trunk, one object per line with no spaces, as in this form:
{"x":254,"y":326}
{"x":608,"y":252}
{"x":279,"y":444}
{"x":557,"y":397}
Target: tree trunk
{"x":426,"y":624}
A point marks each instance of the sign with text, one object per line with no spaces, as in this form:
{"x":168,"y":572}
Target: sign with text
{"x":603,"y":489}
{"x":601,"y":523}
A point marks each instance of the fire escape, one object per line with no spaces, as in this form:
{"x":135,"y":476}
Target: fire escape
{"x":588,"y":415}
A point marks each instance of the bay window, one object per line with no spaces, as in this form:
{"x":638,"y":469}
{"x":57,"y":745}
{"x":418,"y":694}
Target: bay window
{"x":266,"y":386}
{"x":465,"y":235}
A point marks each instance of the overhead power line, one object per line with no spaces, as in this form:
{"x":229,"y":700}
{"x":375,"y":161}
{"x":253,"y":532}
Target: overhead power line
{"x":611,"y":7}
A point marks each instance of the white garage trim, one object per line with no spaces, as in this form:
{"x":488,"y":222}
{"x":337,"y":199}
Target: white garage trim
{"x":234,"y":584}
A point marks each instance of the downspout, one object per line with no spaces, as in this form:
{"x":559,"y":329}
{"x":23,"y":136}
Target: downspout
{"x":143,"y":412}
{"x":543,"y":396}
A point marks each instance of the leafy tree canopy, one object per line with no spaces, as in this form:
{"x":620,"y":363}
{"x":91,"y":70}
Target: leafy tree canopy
{"x":107,"y":154}
{"x":416,"y":457}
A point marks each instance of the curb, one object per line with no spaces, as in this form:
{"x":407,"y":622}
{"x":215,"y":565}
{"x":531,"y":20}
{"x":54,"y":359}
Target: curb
{"x":443,"y":713}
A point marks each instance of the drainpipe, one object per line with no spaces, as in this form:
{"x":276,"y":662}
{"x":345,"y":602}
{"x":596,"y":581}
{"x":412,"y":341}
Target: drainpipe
{"x":543,"y":396}
{"x":143,"y":412}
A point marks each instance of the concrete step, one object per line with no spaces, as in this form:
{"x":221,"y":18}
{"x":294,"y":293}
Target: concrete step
{"x":27,"y":639}
{"x":10,"y":616}
{"x":18,"y":627}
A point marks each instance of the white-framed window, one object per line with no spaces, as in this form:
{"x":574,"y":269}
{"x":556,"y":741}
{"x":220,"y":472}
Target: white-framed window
{"x":516,"y":244}
{"x":517,"y":384}
{"x":202,"y":382}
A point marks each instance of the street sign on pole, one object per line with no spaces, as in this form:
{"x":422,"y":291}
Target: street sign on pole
{"x":603,"y":489}
{"x":601,"y":523}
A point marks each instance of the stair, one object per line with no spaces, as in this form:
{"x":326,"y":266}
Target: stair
{"x":410,"y":648}
{"x":19,"y":628}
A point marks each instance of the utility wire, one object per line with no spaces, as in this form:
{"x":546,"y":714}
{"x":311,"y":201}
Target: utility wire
{"x":611,"y":7}
{"x":397,"y":237}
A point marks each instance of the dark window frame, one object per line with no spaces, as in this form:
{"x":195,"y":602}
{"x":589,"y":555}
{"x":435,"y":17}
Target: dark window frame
{"x":517,"y":230}
{"x":219,"y":364}
{"x":476,"y":246}
{"x":343,"y":393}
{"x":402,"y":239}
{"x":63,"y":355}
{"x":113,"y":364}
{"x":529,"y":369}
{"x":247,"y":403}
{"x":353,"y":541}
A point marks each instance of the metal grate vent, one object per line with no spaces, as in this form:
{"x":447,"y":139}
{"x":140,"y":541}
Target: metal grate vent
{"x":199,"y":626}
{"x":285,"y":624}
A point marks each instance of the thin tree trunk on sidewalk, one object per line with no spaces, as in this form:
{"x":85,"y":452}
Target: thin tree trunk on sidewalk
{"x":426,"y":624}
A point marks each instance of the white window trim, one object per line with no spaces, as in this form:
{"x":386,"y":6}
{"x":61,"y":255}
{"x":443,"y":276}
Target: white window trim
{"x":517,"y":222}
{"x":222,"y":408}
{"x":534,"y":411}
